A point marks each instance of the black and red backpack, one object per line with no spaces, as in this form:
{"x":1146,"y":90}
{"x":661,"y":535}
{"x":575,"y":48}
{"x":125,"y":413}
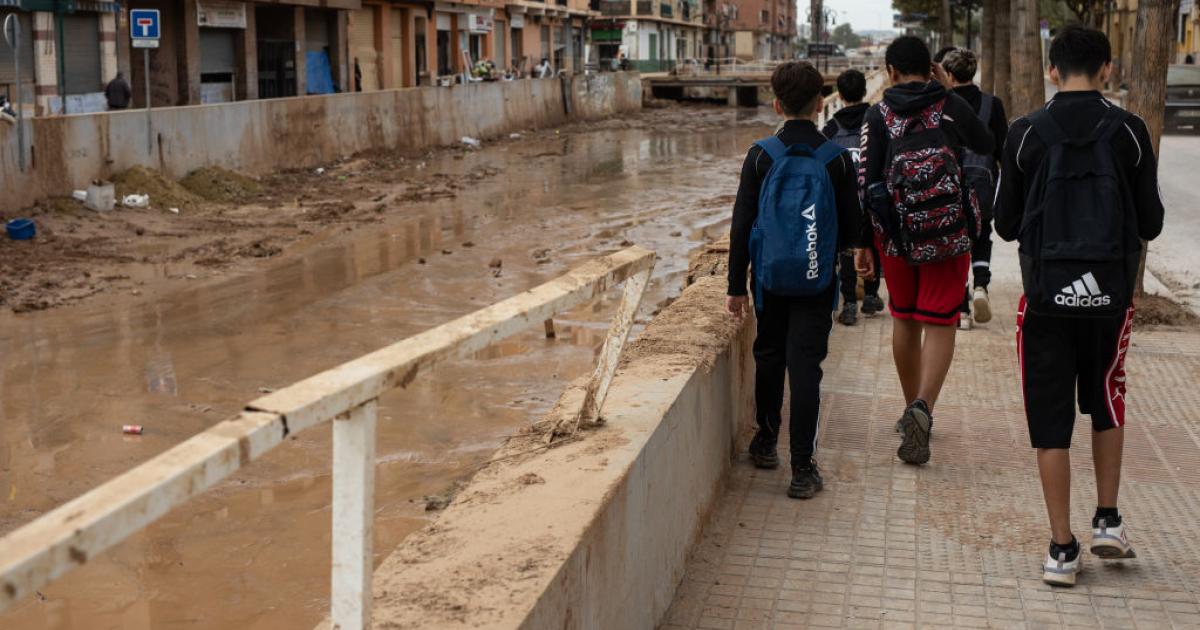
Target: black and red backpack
{"x":934,"y":218}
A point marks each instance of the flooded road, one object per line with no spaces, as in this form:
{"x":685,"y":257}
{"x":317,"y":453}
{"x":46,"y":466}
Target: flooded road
{"x":254,"y":552}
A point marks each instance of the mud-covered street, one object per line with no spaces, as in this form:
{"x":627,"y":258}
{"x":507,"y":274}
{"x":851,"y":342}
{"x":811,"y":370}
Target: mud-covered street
{"x":174,"y":321}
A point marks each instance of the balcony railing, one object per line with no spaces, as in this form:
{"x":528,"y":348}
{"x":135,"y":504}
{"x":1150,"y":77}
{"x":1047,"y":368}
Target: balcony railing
{"x":613,"y":7}
{"x":645,"y":7}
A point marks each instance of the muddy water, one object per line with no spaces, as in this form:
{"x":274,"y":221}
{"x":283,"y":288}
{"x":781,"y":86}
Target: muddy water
{"x":253,"y":553}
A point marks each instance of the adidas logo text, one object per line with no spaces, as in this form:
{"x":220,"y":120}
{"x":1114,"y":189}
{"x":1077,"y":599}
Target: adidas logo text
{"x":1083,"y":293}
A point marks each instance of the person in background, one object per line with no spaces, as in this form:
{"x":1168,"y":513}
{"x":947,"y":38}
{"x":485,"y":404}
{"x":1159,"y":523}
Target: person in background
{"x":118,"y":92}
{"x":543,"y":69}
{"x":845,"y":130}
{"x":980,"y":171}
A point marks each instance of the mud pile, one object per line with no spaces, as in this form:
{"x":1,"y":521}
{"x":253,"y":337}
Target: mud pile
{"x":214,"y":183}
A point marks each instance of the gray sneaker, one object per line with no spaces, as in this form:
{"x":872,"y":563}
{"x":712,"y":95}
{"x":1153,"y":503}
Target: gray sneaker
{"x":915,"y":427}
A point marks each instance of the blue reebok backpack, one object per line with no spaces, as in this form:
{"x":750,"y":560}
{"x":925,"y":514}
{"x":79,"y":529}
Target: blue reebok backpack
{"x":793,"y":243}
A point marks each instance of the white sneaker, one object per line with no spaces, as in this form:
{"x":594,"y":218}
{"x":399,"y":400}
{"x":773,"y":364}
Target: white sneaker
{"x":983,"y":309}
{"x":1059,"y":571}
{"x":964,"y":321}
{"x":1111,"y":543}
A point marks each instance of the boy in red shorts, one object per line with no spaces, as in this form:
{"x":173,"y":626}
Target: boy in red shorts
{"x":924,"y":222}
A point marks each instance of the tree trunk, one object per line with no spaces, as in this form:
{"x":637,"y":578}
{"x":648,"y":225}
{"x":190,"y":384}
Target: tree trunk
{"x":1001,"y":59}
{"x":1153,"y":40}
{"x":987,"y":46}
{"x":946,"y":30}
{"x":1027,"y":77}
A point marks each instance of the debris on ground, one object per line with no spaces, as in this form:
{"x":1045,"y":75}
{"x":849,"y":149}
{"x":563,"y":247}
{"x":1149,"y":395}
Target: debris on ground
{"x":437,"y":502}
{"x":472,"y":143}
{"x":131,"y":429}
{"x":161,"y":190}
{"x":79,"y":195}
{"x":222,"y":185}
{"x":530,"y":479}
{"x":135,"y":201}
{"x":496,"y":263}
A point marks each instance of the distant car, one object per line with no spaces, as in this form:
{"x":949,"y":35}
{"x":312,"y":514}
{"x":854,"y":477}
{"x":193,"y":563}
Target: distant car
{"x":1183,"y":97}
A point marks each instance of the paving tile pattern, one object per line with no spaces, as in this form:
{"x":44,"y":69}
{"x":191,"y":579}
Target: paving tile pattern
{"x":956,"y":543}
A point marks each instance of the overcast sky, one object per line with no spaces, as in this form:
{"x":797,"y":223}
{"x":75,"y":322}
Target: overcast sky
{"x":863,"y":14}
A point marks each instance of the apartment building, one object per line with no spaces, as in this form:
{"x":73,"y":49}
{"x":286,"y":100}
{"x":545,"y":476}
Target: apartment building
{"x":764,"y":29}
{"x":654,"y":35}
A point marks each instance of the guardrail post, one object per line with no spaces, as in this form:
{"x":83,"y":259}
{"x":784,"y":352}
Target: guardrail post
{"x":353,"y":517}
{"x":610,"y":353}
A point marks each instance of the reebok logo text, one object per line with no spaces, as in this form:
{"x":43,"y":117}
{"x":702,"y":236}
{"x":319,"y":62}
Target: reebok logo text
{"x":810,"y":235}
{"x":1083,"y":293}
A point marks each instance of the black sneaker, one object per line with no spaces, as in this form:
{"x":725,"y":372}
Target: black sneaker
{"x":872,"y":305}
{"x":762,"y":450}
{"x":849,"y":314}
{"x":915,"y":426}
{"x":806,"y":480}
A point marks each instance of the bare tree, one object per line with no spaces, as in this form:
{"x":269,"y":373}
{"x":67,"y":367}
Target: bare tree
{"x":1153,"y":40}
{"x":1001,"y":59}
{"x":987,"y":45}
{"x":1027,"y":76}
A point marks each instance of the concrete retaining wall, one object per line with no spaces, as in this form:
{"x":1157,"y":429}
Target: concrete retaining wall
{"x":593,"y":534}
{"x":266,"y":135}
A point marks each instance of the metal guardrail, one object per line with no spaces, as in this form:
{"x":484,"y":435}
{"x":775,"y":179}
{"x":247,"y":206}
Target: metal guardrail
{"x":737,"y":66}
{"x":68,"y":536}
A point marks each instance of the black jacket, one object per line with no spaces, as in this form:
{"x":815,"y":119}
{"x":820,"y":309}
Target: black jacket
{"x":118,"y":93}
{"x":849,"y":117}
{"x":997,"y":123}
{"x":745,"y":209}
{"x":1078,"y":113}
{"x":962,"y":126}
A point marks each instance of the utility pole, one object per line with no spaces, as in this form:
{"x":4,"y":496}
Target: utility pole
{"x":1153,"y":39}
{"x":987,"y":45}
{"x":946,"y":27}
{"x":1028,"y":83}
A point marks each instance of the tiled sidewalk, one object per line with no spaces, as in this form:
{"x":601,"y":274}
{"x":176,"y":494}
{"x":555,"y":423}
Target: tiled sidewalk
{"x":956,"y":543}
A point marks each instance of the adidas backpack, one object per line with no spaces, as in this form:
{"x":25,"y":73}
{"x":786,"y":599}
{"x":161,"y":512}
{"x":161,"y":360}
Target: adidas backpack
{"x":979,"y":169}
{"x":925,"y":184}
{"x":1078,"y":240}
{"x":793,"y":242}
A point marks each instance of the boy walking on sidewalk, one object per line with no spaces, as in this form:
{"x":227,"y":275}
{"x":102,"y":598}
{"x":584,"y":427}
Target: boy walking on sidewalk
{"x":924,"y":220}
{"x":796,"y":188}
{"x":845,"y":130}
{"x":979,"y":170}
{"x":1079,"y":188}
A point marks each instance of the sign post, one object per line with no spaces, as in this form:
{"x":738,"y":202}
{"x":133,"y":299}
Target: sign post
{"x":12,"y":35}
{"x":144,"y":31}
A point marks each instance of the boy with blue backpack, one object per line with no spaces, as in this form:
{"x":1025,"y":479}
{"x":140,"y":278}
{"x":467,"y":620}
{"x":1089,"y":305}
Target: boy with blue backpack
{"x":1079,"y":192}
{"x":797,"y":206}
{"x":844,"y":128}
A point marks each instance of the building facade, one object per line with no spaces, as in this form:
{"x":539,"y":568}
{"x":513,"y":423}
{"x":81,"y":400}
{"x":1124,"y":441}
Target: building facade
{"x":653,"y":35}
{"x":764,"y":29}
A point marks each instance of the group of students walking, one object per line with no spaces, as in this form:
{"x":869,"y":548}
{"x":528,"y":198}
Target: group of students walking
{"x":908,"y":189}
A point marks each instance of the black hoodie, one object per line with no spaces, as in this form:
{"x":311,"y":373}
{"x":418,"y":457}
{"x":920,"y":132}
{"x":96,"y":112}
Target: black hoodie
{"x":849,"y":117}
{"x":963,"y":128}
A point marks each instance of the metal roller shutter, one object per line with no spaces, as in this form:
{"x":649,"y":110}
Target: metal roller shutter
{"x":81,"y":45}
{"x":362,"y":46}
{"x":6,"y":53}
{"x":216,"y":51}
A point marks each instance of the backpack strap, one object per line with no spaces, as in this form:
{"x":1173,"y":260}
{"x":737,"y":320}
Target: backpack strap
{"x":1045,"y":127}
{"x":985,"y":108}
{"x":773,"y":147}
{"x":828,"y":152}
{"x":1111,"y":123}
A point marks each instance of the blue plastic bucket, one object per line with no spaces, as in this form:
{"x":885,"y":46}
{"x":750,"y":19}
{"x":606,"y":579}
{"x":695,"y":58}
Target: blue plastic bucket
{"x":21,"y":229}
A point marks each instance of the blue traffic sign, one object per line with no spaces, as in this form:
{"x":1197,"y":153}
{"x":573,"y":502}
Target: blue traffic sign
{"x":143,"y":24}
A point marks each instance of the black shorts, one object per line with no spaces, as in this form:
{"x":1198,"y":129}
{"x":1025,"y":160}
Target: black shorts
{"x":1060,"y":356}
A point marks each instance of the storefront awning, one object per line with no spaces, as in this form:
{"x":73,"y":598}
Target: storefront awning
{"x":10,"y":3}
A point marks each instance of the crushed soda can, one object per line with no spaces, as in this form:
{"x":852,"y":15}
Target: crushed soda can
{"x":131,"y":429}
